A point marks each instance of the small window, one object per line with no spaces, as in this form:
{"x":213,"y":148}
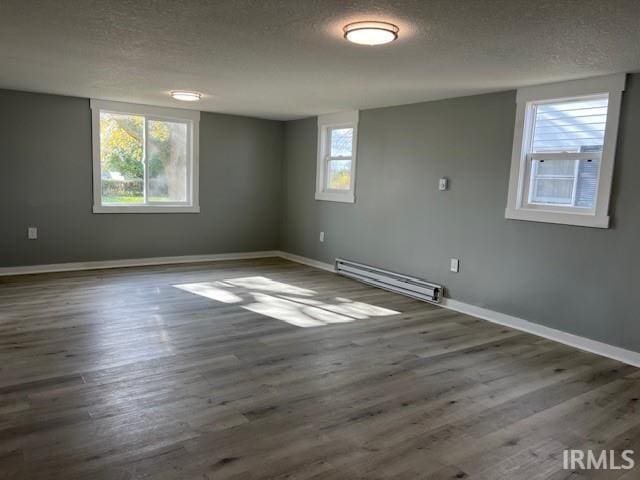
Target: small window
{"x":566,"y":151}
{"x":563,"y":152}
{"x":145,"y":158}
{"x":337,"y":135}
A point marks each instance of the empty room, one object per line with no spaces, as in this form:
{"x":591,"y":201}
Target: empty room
{"x":296,"y":239}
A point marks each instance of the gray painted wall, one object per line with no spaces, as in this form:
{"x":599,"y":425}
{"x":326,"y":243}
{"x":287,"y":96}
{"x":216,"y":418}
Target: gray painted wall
{"x":46,"y":181}
{"x":580,"y":280}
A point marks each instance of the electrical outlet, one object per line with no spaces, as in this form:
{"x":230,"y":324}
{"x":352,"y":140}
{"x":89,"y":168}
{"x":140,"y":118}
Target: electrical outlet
{"x":455,"y":265}
{"x":32,"y":233}
{"x":443,"y":183}
{"x":322,"y":236}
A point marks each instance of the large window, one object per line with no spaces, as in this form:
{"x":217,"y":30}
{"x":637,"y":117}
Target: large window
{"x":563,"y":153}
{"x":337,"y":138}
{"x":145,"y":158}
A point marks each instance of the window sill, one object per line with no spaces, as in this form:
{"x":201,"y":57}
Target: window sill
{"x":146,"y":209}
{"x":576,"y":219}
{"x":336,"y":197}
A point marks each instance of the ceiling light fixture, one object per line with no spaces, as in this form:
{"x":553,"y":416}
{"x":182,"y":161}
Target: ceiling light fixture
{"x":371,"y":33}
{"x":186,"y":96}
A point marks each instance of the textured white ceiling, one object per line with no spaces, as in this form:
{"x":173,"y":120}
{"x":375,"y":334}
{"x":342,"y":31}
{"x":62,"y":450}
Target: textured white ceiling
{"x":286,"y":59}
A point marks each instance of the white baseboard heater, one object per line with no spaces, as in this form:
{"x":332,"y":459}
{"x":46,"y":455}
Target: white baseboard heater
{"x":395,"y":282}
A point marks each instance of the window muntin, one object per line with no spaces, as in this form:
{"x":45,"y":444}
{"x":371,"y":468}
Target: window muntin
{"x":336,"y":157}
{"x":145,"y":158}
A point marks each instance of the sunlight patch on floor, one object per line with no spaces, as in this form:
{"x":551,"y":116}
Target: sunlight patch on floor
{"x":293,"y":312}
{"x":211,"y":290}
{"x":268,"y":285}
{"x":357,"y":310}
{"x":285,"y":302}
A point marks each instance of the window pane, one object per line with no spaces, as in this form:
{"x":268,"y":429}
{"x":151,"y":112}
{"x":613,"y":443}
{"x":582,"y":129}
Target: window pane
{"x":167,"y":161}
{"x":570,"y":126}
{"x":552,"y":178}
{"x":587,"y":188}
{"x":339,"y":174}
{"x":553,"y":191}
{"x":341,"y":142}
{"x":555,"y":167}
{"x":121,"y":158}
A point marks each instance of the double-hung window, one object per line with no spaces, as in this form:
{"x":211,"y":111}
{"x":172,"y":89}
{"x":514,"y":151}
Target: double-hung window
{"x":336,"y":170}
{"x":563,"y":152}
{"x":145,"y":159}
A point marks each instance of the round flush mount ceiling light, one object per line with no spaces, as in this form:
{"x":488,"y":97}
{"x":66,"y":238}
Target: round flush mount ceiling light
{"x":371,"y":33}
{"x":185,"y":96}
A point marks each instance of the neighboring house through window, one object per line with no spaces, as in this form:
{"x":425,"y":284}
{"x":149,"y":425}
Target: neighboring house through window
{"x":563,"y":151}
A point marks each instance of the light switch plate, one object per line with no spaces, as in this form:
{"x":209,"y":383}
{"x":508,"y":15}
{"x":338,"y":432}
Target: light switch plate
{"x":32,"y":233}
{"x":443,"y":183}
{"x":455,"y":265}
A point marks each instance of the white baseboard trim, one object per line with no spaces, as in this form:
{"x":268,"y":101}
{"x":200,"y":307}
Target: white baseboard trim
{"x":142,"y":262}
{"x":307,"y":261}
{"x":616,"y":353}
{"x":626,"y":356}
{"x":593,"y":346}
{"x":133,"y":262}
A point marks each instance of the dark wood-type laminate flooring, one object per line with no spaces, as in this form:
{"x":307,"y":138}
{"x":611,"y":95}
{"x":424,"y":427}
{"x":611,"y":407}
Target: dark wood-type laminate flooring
{"x":270,"y":369}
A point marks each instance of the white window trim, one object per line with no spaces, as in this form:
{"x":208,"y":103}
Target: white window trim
{"x":164,"y":113}
{"x":325,"y":123}
{"x":612,"y":85}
